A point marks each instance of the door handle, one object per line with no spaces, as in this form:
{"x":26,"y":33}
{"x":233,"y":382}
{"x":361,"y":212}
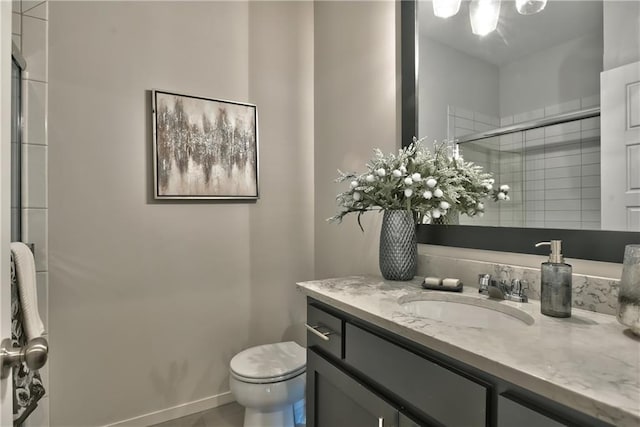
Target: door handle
{"x":34,"y":354}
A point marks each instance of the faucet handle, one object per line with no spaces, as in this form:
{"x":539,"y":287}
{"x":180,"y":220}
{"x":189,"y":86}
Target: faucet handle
{"x":518,"y":288}
{"x":483,"y":283}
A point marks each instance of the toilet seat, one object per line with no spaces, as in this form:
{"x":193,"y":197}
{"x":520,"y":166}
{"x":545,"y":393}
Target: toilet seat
{"x":269,"y":363}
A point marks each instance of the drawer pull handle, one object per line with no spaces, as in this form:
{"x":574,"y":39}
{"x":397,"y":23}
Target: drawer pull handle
{"x":314,"y":329}
{"x":380,"y":422}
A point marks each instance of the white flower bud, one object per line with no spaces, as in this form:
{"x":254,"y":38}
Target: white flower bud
{"x":438,"y":192}
{"x":427,"y":194}
{"x":507,"y":197}
{"x":480,"y":205}
{"x":354,"y":184}
{"x":436,"y":213}
{"x":489,"y":187}
{"x":408,"y":180}
{"x":431,"y":182}
{"x":356,"y":196}
{"x":504,"y":188}
{"x":416,"y":177}
{"x":443,"y":212}
{"x":408,"y":192}
{"x":501,"y":196}
{"x":444,"y":205}
{"x":403,"y":169}
{"x":492,"y":181}
{"x":381,"y":172}
{"x":397,"y":173}
{"x":370,"y":178}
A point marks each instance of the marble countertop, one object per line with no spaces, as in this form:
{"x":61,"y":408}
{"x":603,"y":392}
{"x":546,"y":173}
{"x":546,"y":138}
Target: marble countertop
{"x":588,"y":362}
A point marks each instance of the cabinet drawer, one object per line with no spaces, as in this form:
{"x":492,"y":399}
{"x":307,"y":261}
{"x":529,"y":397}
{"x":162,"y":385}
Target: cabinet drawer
{"x":441,"y":394}
{"x":512,"y":413}
{"x":328,"y":325}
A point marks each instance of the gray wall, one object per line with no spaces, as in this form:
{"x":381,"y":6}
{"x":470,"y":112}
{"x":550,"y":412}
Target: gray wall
{"x":149,"y":301}
{"x":448,"y":77}
{"x":355,"y":112}
{"x":621,"y":33}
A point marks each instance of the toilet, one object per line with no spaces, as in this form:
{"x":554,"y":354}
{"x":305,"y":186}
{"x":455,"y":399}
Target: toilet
{"x":269,"y":381}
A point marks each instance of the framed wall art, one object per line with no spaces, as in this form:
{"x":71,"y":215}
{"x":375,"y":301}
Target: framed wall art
{"x":204,"y":148}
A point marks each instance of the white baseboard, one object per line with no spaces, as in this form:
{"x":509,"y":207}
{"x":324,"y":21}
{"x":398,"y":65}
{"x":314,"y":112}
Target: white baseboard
{"x":176,"y":411}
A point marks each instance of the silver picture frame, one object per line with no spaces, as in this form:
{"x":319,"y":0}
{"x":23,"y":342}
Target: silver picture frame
{"x":204,"y":148}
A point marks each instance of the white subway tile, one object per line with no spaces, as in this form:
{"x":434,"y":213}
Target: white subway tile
{"x":34,"y":223}
{"x":590,"y":101}
{"x":35,"y":107}
{"x":564,"y":205}
{"x":481,"y":127}
{"x":563,"y":172}
{"x":591,"y":225}
{"x":40,"y":11}
{"x":590,"y":123}
{"x":34,"y":47}
{"x":529,"y":115}
{"x":16,"y":23}
{"x":562,"y":150}
{"x":551,"y":215}
{"x":572,"y":225}
{"x":506,"y":120}
{"x":591,"y":193}
{"x":563,"y":107}
{"x":464,"y":113}
{"x":591,"y":204}
{"x":561,"y":194}
{"x":42,"y":283}
{"x":562,"y":129}
{"x":562,"y":162}
{"x":591,"y":134}
{"x":16,"y":7}
{"x":591,"y":216}
{"x":592,"y":169}
{"x":462,"y":132}
{"x":27,"y":5}
{"x":591,"y":158}
{"x":591,"y":181}
{"x":34,"y":176}
{"x":559,"y":183}
{"x":17,"y":40}
{"x":464,"y":123}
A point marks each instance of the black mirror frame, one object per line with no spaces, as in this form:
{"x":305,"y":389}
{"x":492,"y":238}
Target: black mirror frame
{"x":595,"y":245}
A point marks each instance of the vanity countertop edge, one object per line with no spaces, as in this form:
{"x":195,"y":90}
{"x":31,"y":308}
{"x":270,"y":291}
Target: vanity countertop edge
{"x":588,"y":362}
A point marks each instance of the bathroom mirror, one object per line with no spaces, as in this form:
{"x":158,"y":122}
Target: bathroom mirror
{"x":532,"y":70}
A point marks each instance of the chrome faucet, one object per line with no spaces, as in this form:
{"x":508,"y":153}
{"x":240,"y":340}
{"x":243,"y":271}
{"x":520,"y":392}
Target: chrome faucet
{"x":503,"y":290}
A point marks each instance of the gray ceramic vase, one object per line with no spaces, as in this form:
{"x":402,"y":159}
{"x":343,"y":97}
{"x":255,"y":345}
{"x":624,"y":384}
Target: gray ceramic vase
{"x":398,"y":247}
{"x":629,"y":295}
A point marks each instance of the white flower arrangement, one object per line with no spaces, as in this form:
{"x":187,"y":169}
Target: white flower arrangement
{"x":428,"y":183}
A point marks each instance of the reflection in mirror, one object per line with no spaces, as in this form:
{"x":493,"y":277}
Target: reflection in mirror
{"x":532,"y":68}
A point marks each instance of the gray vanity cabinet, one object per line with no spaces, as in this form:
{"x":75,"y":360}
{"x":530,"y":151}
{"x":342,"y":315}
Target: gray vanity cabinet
{"x":340,"y":400}
{"x":512,"y":413}
{"x":361,"y":375}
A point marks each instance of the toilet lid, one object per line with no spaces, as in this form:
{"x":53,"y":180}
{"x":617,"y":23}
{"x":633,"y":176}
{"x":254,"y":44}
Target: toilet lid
{"x":282,"y":360}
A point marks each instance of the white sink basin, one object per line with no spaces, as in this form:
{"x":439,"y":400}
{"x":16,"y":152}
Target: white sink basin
{"x":462,"y":310}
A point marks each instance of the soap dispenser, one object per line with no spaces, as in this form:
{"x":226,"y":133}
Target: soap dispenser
{"x":555,"y":290}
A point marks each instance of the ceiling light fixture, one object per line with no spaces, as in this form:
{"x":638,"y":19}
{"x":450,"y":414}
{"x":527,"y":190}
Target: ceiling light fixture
{"x":529,"y":7}
{"x":484,"y":15}
{"x":446,"y":8}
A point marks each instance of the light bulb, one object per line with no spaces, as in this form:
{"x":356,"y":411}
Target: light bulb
{"x":529,"y":7}
{"x":446,"y":8}
{"x":484,"y":16}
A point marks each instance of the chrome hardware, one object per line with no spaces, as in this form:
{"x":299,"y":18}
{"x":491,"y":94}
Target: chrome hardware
{"x":380,"y":422}
{"x":483,"y":283}
{"x":512,"y":292}
{"x":316,"y":330}
{"x":34,"y":354}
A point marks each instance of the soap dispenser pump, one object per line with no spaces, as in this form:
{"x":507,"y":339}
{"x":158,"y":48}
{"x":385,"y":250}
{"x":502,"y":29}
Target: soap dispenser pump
{"x":555,"y":289}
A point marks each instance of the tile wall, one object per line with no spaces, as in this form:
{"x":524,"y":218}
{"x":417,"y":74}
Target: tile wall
{"x":553,"y":172}
{"x":29,"y":29}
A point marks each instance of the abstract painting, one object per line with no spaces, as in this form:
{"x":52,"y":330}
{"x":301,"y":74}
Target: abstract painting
{"x":204,"y":148}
